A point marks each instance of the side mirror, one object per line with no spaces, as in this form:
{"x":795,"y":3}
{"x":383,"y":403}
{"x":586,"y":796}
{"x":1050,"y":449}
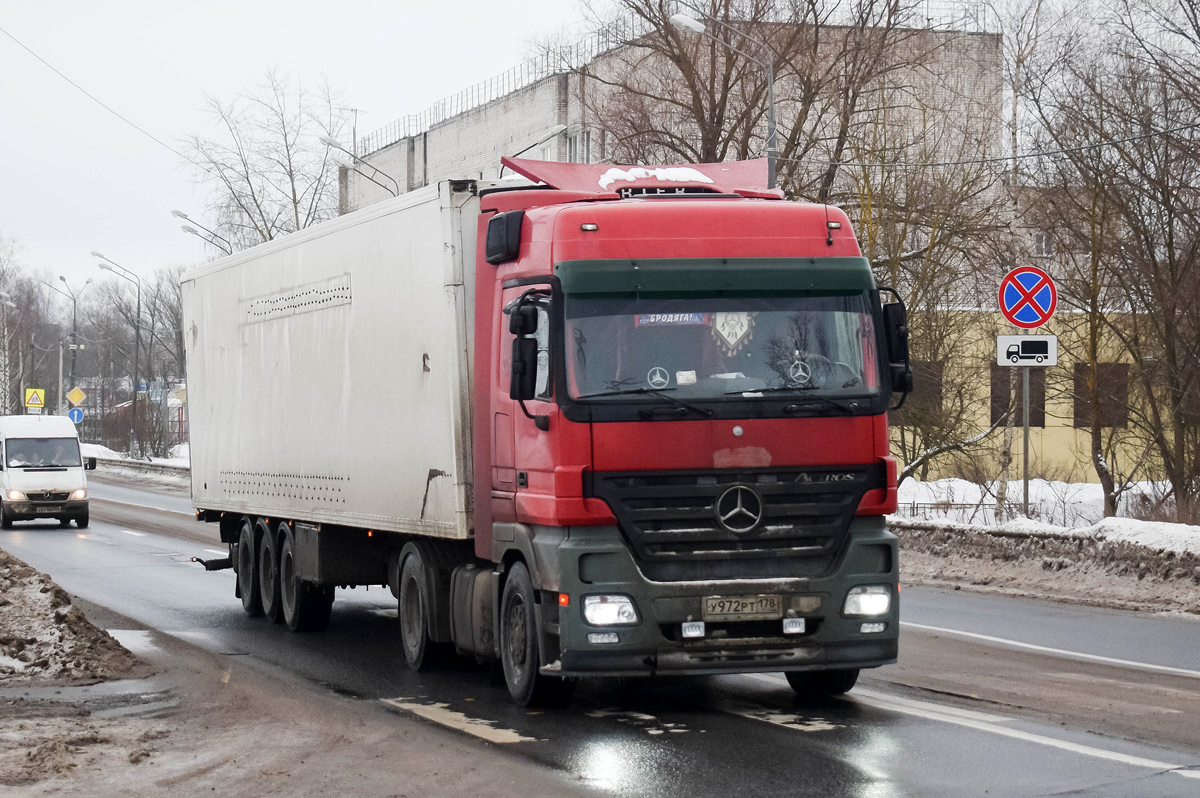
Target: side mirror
{"x":504,"y":237}
{"x":523,"y":320}
{"x":89,"y":464}
{"x":523,"y":384}
{"x":895,"y":327}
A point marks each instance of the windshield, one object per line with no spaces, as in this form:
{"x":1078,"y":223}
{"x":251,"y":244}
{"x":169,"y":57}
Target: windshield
{"x":721,"y":347}
{"x":42,"y":452}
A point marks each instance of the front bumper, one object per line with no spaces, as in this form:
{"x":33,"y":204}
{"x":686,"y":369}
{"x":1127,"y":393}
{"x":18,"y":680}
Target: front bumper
{"x":595,"y":560}
{"x":27,"y":510}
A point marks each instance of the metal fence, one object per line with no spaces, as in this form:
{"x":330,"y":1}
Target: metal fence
{"x":947,"y":14}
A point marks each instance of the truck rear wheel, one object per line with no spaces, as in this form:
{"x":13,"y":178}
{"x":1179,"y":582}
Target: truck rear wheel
{"x":268,"y":570}
{"x":816,"y":684}
{"x":413,"y":608}
{"x":247,"y":571}
{"x":305,"y":607}
{"x":520,"y":652}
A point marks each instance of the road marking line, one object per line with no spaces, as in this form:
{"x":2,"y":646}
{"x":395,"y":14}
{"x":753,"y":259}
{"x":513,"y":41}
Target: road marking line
{"x":135,"y":534}
{"x":959,"y":717}
{"x":143,"y":506}
{"x":1062,"y":652}
{"x":441,"y":715}
{"x":216,"y":551}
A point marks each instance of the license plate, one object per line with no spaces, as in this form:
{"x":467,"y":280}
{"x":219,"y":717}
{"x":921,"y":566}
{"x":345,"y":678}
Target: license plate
{"x":743,"y":608}
{"x":51,"y":509}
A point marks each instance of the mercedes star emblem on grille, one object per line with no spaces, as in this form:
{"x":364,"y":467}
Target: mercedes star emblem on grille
{"x":739,"y":509}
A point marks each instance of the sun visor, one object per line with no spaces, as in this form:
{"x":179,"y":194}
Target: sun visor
{"x":731,"y":177}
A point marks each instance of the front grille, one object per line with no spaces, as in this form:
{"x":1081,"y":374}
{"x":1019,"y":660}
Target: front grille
{"x":47,"y":496}
{"x":671,"y":521}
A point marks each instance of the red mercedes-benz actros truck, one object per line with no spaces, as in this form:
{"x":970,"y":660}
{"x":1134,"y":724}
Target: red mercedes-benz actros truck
{"x":614,"y":421}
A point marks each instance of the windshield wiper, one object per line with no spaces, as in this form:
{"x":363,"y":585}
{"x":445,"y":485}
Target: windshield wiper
{"x":817,"y":399}
{"x":659,"y":392}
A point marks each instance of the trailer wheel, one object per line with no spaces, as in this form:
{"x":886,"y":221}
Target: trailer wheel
{"x":817,"y":684}
{"x":305,"y":607}
{"x":520,"y":653}
{"x":268,"y":570}
{"x":247,"y":572}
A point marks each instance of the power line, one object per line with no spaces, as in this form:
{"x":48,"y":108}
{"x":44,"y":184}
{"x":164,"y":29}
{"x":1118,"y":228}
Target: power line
{"x":96,"y":100}
{"x":1002,"y":159}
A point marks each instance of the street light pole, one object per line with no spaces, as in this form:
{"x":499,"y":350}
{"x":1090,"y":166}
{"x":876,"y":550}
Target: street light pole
{"x":74,"y":297}
{"x":5,"y":387}
{"x":119,"y":270}
{"x":686,"y":23}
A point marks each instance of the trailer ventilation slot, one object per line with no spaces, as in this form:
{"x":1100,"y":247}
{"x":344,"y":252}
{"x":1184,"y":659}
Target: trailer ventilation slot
{"x":321,"y":491}
{"x":301,"y":299}
{"x":671,"y":523}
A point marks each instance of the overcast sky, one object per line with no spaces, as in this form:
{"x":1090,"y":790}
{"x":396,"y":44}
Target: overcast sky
{"x":75,"y":178}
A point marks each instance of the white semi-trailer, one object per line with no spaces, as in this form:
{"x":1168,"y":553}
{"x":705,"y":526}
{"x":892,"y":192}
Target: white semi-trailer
{"x":572,"y":426}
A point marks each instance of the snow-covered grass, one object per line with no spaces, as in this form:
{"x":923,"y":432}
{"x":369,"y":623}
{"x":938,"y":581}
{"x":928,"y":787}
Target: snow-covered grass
{"x":1068,"y":504}
{"x":1072,"y":509}
{"x":180,"y":455}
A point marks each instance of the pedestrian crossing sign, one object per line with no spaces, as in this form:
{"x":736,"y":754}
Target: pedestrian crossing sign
{"x":34,"y":397}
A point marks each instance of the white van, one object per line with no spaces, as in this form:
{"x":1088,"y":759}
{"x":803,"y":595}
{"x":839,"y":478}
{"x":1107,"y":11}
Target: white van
{"x":41,"y":471}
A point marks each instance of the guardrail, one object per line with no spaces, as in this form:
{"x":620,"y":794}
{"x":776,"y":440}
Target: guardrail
{"x":143,"y":466}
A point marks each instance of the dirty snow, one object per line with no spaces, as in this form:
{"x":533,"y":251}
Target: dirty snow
{"x":45,"y":637}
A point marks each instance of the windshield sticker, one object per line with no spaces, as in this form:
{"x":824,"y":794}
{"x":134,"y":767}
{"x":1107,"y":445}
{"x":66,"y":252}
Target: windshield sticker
{"x":660,"y":319}
{"x":732,"y":331}
{"x":658,"y":377}
{"x":685,"y":378}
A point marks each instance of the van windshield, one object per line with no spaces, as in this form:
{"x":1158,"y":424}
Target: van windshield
{"x":42,"y":452}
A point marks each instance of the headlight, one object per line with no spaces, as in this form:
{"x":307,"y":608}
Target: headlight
{"x":16,"y":496}
{"x":868,"y":600}
{"x":80,"y":493}
{"x":609,"y":610}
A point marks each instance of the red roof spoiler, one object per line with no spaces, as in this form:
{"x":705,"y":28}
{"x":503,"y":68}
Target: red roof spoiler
{"x":748,"y":178}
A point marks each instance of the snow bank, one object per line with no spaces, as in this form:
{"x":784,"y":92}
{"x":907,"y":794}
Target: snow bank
{"x":44,"y":636}
{"x":1179,"y":538}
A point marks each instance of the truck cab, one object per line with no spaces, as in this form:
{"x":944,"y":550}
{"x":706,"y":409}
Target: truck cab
{"x":42,"y":471}
{"x":686,"y":434}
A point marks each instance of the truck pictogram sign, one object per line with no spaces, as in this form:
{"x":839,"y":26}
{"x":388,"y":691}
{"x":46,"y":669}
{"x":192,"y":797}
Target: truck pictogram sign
{"x":1028,"y":297}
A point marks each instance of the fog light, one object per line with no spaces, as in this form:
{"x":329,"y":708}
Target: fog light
{"x":603,"y":637}
{"x":873,"y":628}
{"x":868,"y":600}
{"x":16,"y":496}
{"x":693,"y":629}
{"x":609,"y":610}
{"x":793,"y":626}
{"x":80,"y":493}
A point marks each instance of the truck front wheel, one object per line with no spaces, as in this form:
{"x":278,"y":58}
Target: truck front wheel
{"x":819,"y":684}
{"x":247,"y":570}
{"x":520,"y":653}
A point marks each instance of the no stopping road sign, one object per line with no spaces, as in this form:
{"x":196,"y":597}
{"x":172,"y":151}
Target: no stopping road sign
{"x":1028,"y":297}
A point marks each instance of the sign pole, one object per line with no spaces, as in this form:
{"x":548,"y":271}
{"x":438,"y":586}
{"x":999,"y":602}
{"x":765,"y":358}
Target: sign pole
{"x":1025,"y":414}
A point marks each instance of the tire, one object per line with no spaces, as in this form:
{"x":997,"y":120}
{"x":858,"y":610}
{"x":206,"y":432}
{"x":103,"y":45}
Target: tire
{"x":64,"y":521}
{"x":822,"y":684}
{"x":413,"y":610}
{"x":6,"y":521}
{"x":520,"y":652}
{"x":83,"y":519}
{"x":247,"y":571}
{"x":305,"y":607}
{"x":268,"y":570}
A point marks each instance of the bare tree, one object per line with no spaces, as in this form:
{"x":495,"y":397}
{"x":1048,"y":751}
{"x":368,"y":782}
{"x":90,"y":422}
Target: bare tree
{"x":264,"y":161}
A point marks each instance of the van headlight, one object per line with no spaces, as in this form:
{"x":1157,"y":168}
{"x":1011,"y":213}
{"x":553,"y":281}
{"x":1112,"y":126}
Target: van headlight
{"x":80,"y":493}
{"x":609,"y":610}
{"x":868,"y":600}
{"x":17,"y":496}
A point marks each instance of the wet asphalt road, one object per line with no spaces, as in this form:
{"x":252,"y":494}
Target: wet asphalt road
{"x":703,"y":737}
